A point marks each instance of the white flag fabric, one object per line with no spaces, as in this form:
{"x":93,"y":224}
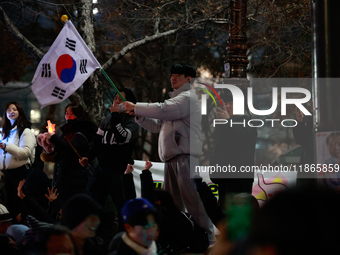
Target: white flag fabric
{"x":64,"y":68}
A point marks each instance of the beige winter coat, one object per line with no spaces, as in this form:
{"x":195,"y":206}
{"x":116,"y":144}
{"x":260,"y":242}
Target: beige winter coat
{"x":19,"y":151}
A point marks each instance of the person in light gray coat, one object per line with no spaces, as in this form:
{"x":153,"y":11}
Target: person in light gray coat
{"x":178,"y":122}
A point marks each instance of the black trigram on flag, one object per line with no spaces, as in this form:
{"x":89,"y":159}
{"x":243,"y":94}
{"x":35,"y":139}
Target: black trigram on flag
{"x":58,"y":92}
{"x":46,"y":70}
{"x":70,"y":44}
{"x":82,"y":67}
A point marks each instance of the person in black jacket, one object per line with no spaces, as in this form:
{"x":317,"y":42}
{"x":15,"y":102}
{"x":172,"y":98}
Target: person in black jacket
{"x":113,"y":147}
{"x":82,"y":214}
{"x":179,"y":232}
{"x":141,"y":227}
{"x":234,"y":146}
{"x":69,"y":177}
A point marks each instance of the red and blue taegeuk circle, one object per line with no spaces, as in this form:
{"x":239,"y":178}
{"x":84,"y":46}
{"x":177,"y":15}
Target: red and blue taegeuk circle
{"x":66,"y":68}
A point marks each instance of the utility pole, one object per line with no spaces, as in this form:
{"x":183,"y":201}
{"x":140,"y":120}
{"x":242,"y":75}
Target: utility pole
{"x":326,"y":82}
{"x":326,"y":55}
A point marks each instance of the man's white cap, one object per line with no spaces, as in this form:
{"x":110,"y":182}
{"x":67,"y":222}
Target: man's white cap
{"x":4,"y":214}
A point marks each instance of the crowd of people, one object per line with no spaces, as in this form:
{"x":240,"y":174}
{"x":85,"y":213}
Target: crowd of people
{"x":71,"y":213}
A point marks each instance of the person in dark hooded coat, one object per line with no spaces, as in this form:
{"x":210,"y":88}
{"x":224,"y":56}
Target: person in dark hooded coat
{"x":69,"y":177}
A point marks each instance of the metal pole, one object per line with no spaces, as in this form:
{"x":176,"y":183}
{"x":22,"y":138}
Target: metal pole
{"x":326,"y":64}
{"x":237,"y":60}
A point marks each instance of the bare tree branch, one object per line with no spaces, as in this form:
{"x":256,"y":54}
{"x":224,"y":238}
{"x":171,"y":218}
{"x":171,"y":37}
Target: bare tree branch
{"x":117,"y":56}
{"x":136,"y":44}
{"x":22,"y":40}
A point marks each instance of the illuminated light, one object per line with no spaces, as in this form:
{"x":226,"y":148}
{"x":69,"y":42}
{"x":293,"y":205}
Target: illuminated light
{"x":95,"y":10}
{"x":50,"y":127}
{"x":205,"y":73}
{"x":94,"y":1}
{"x":35,"y":131}
{"x":35,"y":116}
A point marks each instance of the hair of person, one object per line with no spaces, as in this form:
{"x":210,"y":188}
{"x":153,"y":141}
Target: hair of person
{"x":130,"y":96}
{"x":6,"y":247}
{"x":21,"y":122}
{"x":332,"y":135}
{"x":140,"y":218}
{"x":4,"y":239}
{"x":78,"y":208}
{"x":79,"y":111}
{"x":55,"y":230}
{"x":43,"y":236}
{"x":185,"y":69}
{"x":166,"y":200}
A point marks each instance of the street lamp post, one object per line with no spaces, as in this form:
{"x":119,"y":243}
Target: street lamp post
{"x":236,"y":61}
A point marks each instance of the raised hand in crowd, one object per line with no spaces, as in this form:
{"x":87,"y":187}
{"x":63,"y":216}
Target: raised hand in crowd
{"x":21,"y":195}
{"x":148,"y":165}
{"x":52,"y":194}
{"x":129,"y":169}
{"x":84,"y":161}
{"x":222,"y":113}
{"x":44,"y":141}
{"x":129,"y":107}
{"x":20,"y":191}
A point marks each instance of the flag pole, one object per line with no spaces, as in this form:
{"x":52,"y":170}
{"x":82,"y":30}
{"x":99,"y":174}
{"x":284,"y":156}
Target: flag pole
{"x":79,"y":156}
{"x":111,"y":83}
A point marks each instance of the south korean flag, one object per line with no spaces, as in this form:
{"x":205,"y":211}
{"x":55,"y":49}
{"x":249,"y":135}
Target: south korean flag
{"x":64,"y":68}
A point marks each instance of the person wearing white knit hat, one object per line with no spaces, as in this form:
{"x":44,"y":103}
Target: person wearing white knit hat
{"x":5,"y":219}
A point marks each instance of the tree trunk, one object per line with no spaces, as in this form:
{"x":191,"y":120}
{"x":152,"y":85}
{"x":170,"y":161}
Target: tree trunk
{"x":93,"y":87}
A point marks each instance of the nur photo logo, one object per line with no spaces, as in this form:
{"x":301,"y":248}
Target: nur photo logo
{"x":277,"y":98}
